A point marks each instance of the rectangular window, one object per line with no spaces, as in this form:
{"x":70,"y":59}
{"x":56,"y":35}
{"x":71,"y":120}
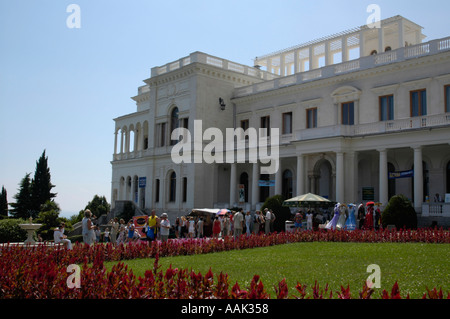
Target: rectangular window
{"x":447,"y":98}
{"x":418,"y":103}
{"x":287,"y":123}
{"x":311,"y":118}
{"x":386,"y":108}
{"x":265,"y":123}
{"x":157,"y":190}
{"x":348,"y":113}
{"x":245,"y":125}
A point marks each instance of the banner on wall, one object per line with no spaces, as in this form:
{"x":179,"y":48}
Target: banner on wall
{"x":401,"y":174}
{"x":139,"y":223}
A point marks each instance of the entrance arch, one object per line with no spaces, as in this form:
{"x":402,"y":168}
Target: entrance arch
{"x":322,"y":180}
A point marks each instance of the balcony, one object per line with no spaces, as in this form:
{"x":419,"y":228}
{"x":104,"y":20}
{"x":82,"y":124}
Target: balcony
{"x":414,"y":123}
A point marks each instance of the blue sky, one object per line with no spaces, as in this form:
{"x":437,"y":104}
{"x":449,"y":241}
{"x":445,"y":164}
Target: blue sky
{"x":60,"y":88}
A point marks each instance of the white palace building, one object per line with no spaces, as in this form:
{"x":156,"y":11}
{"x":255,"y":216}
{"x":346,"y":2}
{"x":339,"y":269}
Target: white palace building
{"x":362,"y":115}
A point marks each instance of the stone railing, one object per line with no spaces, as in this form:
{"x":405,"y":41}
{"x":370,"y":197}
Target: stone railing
{"x":436,"y":210}
{"x":374,"y":128}
{"x":204,"y":58}
{"x":364,"y":63}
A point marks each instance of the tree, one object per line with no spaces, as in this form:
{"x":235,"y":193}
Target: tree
{"x":399,"y":212}
{"x":49,"y":217}
{"x":281,"y":212}
{"x":98,"y":206}
{"x":23,"y":207}
{"x":3,"y":203}
{"x":41,"y":184}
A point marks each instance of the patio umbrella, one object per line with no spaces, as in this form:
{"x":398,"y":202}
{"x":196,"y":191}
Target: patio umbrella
{"x":223,"y":211}
{"x":306,"y":200}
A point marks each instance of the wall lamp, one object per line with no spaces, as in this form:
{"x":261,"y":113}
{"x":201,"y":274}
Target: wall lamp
{"x":222,"y":104}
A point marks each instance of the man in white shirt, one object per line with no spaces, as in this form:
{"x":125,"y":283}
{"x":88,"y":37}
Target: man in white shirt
{"x":238,"y":220}
{"x":268,"y":217}
{"x":164,"y":227}
{"x":59,"y":237}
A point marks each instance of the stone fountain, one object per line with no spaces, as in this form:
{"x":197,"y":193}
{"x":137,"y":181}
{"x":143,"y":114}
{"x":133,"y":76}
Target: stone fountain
{"x":30,"y":228}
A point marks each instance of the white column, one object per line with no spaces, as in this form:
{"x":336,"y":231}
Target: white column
{"x":340,"y":177}
{"x":233,"y":185}
{"x":383,"y":177}
{"x":278,"y":180}
{"x":255,"y":187}
{"x":418,"y":178}
{"x":401,"y":41}
{"x":311,"y":58}
{"x":115,"y":142}
{"x":282,"y":65}
{"x":296,"y":66}
{"x":344,"y":49}
{"x":361,"y":44}
{"x":380,"y":40}
{"x":300,"y":175}
{"x":327,"y":53}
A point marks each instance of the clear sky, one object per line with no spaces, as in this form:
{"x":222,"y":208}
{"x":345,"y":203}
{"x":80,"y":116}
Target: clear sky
{"x":60,"y":88}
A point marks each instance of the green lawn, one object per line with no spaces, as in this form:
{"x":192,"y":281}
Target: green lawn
{"x":414,"y":265}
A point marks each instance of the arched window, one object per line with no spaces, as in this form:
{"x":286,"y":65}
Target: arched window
{"x":287,"y":184}
{"x":387,"y":49}
{"x":172,"y":187}
{"x":374,"y":52}
{"x":174,"y":123}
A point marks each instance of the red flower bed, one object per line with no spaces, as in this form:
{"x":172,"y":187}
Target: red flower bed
{"x":41,"y":272}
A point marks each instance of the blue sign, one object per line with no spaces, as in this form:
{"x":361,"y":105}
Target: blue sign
{"x":263,"y":183}
{"x":142,"y":182}
{"x":401,"y":174}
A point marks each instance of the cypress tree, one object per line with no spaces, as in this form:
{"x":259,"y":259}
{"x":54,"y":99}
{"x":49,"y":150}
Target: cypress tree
{"x":41,"y":184}
{"x":3,"y":202}
{"x":23,"y":207}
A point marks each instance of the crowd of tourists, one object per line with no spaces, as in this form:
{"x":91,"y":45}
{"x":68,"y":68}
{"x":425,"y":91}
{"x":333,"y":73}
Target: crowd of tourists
{"x":229,"y":223}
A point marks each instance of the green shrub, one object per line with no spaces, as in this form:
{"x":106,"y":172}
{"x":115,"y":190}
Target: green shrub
{"x":282,"y":213}
{"x":399,"y":212}
{"x":10,"y":231}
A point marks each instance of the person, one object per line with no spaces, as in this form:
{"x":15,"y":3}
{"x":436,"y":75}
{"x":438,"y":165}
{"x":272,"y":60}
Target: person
{"x":248,"y":223}
{"x":122,"y":230}
{"x":130,"y":229}
{"x":333,"y":222}
{"x":97,"y":234}
{"x":342,"y":217}
{"x":309,"y":219}
{"x":59,"y":237}
{"x":216,"y":227}
{"x":87,"y":228}
{"x":164,"y":227}
{"x":238,"y":224}
{"x":177,"y":227}
{"x":183,"y":227}
{"x":256,"y":222}
{"x":377,"y":217}
{"x":368,"y":221}
{"x":226,"y":225}
{"x":200,"y":225}
{"x":262,"y":222}
{"x":114,"y":229}
{"x":361,"y":215}
{"x":298,"y":221}
{"x":191,"y":224}
{"x":107,"y":235}
{"x":272,"y":220}
{"x":267,"y":221}
{"x":437,"y":198}
{"x":350,"y":223}
{"x":152,"y":222}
